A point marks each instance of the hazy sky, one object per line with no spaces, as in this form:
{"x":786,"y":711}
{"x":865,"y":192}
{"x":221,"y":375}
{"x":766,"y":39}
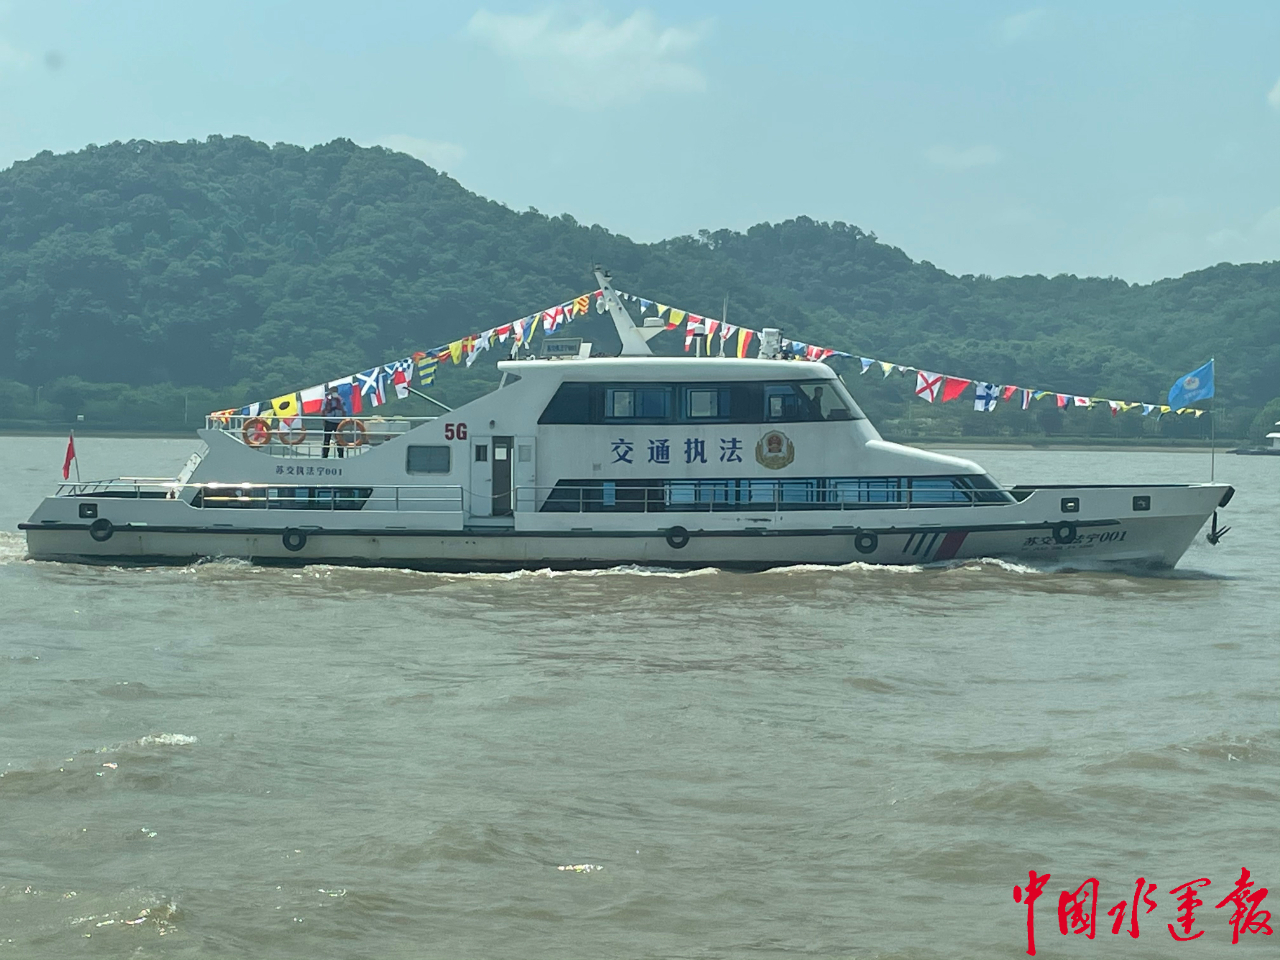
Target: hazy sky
{"x":1133,"y":139}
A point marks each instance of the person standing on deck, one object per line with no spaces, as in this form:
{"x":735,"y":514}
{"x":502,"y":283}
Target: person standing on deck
{"x":334,"y":412}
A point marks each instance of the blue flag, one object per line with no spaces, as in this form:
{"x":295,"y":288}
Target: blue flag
{"x":1196,"y":385}
{"x":985,"y":401}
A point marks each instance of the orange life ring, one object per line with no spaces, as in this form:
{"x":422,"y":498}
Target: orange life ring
{"x":256,"y":432}
{"x":350,"y":433}
{"x":291,"y":430}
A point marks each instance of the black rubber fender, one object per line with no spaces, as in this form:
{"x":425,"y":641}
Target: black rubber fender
{"x":1064,"y":532}
{"x":677,"y":538}
{"x":293,"y":539}
{"x":864,"y":541}
{"x":101,"y":529}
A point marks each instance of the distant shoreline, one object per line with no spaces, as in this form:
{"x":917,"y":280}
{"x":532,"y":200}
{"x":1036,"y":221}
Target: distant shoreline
{"x":90,"y":433}
{"x":1068,"y":444}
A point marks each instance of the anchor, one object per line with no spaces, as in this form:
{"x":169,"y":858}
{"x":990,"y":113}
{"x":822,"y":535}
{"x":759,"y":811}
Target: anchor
{"x":1214,"y":534}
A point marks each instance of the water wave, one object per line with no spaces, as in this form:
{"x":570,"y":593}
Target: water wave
{"x":13,"y":547}
{"x":165,"y":740}
{"x":85,"y":770}
{"x":159,"y":914}
{"x":214,"y":569}
{"x":624,"y":570}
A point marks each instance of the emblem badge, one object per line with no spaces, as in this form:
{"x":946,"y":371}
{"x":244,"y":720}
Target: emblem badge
{"x":775,"y":451}
{"x":1191,"y":383}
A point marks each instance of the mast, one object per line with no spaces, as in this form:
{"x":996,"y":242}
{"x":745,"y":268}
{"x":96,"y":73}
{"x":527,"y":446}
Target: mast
{"x":1212,"y":427}
{"x":633,"y":344}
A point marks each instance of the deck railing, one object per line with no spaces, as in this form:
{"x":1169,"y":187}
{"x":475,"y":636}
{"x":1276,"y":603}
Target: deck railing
{"x":773,"y":497}
{"x":304,"y":435}
{"x":301,"y":496}
{"x":325,"y":494}
{"x":134,"y":488}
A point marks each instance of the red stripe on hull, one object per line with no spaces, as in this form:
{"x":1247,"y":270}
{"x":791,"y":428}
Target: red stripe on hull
{"x":950,"y":544}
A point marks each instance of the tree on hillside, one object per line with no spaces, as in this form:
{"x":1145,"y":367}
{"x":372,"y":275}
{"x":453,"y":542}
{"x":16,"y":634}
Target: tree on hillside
{"x":244,"y":268}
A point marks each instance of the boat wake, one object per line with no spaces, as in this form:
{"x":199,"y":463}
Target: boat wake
{"x":13,"y":549}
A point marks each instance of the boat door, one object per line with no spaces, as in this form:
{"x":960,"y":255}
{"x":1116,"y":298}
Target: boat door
{"x":524,"y":495}
{"x":481,"y":499}
{"x":503,"y":449}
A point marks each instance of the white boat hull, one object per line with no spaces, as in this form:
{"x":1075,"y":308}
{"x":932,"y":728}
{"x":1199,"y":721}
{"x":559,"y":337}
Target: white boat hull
{"x":174,"y":532}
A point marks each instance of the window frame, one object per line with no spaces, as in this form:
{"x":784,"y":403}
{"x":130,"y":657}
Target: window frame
{"x":723,"y":402}
{"x":448,"y":459}
{"x":582,"y":403}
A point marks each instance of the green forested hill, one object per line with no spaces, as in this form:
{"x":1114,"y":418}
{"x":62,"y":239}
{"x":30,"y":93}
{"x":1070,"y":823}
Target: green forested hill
{"x":230,"y":270}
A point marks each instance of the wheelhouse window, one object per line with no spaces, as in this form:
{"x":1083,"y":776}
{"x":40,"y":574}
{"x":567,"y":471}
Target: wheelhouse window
{"x":782,"y":404}
{"x":804,"y":401}
{"x":571,"y":404}
{"x":748,"y":401}
{"x":824,"y":402}
{"x":637,"y":403}
{"x":706,"y":403}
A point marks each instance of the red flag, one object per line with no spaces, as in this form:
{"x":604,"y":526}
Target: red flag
{"x":952,"y":387}
{"x":1008,"y":392}
{"x":71,"y":455}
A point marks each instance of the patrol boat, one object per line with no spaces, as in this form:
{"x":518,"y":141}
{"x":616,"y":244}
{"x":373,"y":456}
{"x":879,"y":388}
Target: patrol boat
{"x":583,"y":461}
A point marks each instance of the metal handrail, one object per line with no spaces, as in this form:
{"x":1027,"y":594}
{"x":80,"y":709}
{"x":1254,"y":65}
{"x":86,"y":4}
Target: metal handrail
{"x":382,"y":497}
{"x":82,"y":488}
{"x":394,"y":498}
{"x":378,"y":429}
{"x":658,"y":500}
{"x":453,"y":497}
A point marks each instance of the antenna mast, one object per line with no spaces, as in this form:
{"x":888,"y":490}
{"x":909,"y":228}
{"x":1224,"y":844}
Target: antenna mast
{"x":633,"y":344}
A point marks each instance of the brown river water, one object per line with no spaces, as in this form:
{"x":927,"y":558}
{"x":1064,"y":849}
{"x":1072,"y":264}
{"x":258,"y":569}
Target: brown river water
{"x":226,"y":760}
